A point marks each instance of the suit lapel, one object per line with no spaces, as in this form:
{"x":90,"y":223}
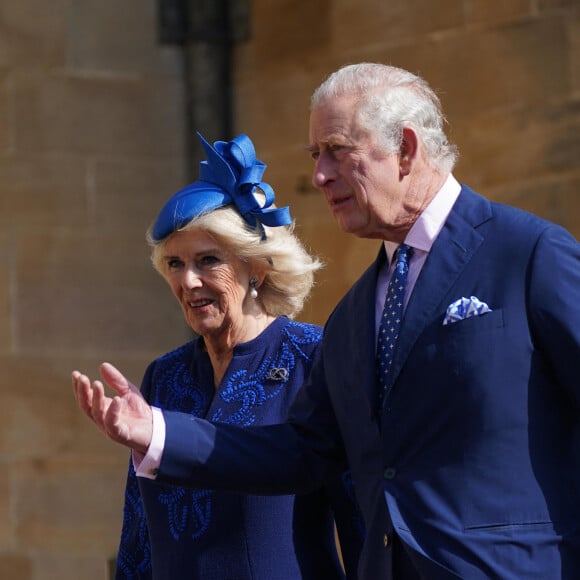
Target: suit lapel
{"x":362,"y":323}
{"x":451,"y":252}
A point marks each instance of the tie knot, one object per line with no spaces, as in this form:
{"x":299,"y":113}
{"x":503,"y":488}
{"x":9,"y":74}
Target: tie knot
{"x":404,"y":254}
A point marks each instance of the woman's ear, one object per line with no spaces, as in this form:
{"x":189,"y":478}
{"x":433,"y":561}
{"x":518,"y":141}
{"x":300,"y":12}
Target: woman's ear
{"x":408,"y":152}
{"x":258,"y":273}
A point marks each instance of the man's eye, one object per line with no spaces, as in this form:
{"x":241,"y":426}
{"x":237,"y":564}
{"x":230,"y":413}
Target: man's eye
{"x":315,"y":155}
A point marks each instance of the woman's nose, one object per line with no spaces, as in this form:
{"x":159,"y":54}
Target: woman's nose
{"x":191,"y":279}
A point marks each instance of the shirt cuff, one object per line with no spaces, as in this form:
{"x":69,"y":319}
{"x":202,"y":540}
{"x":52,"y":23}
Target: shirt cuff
{"x":148,"y":465}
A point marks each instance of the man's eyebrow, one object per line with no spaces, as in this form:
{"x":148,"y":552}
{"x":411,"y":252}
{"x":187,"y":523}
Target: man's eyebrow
{"x":316,"y":147}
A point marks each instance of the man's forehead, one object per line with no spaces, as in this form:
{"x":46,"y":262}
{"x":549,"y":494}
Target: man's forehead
{"x":330,"y":127}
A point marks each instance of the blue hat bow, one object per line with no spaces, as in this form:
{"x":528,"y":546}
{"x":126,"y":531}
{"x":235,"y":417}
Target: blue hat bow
{"x":230,"y":175}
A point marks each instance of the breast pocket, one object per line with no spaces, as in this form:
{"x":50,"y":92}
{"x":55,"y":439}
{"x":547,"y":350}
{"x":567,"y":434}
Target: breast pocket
{"x":474,"y":342}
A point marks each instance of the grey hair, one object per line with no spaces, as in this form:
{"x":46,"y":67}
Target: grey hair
{"x":289,"y":267}
{"x":389,"y":100}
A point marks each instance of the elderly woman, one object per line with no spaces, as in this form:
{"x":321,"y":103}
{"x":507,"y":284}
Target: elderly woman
{"x":240,"y":276}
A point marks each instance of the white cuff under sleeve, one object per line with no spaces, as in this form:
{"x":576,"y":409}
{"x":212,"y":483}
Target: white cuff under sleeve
{"x":148,"y":465}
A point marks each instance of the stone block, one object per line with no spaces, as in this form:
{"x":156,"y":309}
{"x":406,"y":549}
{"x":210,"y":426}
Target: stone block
{"x":15,"y":567}
{"x":486,"y":13}
{"x":108,"y":116}
{"x":345,"y":257}
{"x":112,"y":38}
{"x":6,"y":286}
{"x":367,"y":24}
{"x":129,"y":193}
{"x":284,"y":100}
{"x":84,"y":292}
{"x":475,"y":71}
{"x":67,"y":566}
{"x":43,"y":191}
{"x":6,"y":133}
{"x":32,"y":33}
{"x":296,"y":36}
{"x":551,"y":5}
{"x":542,"y":140}
{"x":554,"y":198}
{"x":574,"y":58}
{"x":39,"y":417}
{"x":64,"y":506}
{"x":290,"y":173}
{"x":6,"y":523}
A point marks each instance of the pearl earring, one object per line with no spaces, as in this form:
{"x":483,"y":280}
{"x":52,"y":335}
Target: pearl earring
{"x":253,"y":291}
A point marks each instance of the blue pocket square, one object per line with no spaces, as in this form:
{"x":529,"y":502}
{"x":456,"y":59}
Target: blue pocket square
{"x":465,"y":308}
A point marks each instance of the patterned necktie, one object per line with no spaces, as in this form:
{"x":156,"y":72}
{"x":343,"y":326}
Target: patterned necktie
{"x":391,"y":320}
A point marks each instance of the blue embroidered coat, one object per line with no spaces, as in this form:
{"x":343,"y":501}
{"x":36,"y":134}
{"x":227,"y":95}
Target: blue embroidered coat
{"x":174,"y":533}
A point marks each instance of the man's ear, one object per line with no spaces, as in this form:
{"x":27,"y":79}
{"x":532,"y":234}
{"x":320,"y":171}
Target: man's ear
{"x":408,"y":153}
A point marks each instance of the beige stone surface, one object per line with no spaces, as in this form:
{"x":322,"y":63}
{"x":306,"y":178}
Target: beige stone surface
{"x":520,"y":144}
{"x":136,"y":116}
{"x":6,"y":280}
{"x":48,"y":190}
{"x":92,"y":135}
{"x":84,"y":292}
{"x":384,"y":24}
{"x":53,"y":566}
{"x":6,"y":133}
{"x":6,"y":519}
{"x":486,"y":13}
{"x":128,"y":193}
{"x":15,"y":567}
{"x":118,"y":38}
{"x":59,"y":505}
{"x":33,"y":33}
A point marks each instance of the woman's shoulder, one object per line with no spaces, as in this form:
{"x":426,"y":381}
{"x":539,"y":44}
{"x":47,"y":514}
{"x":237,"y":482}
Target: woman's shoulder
{"x":183,"y":352}
{"x":299,"y":338}
{"x":303,"y":329}
{"x":181,"y":357}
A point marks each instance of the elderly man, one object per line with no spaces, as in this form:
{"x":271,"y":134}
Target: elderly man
{"x":448,"y":378}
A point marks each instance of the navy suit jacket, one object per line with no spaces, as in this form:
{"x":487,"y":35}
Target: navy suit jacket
{"x":471,"y":469}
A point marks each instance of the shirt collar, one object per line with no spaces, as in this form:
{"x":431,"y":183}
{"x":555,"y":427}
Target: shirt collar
{"x":425,"y":230}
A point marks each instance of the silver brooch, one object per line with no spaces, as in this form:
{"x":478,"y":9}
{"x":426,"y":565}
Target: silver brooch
{"x":278,"y":374}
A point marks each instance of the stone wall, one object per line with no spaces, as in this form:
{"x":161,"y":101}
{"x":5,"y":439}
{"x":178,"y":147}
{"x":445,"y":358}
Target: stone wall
{"x":507,"y":72}
{"x":91,"y":143}
{"x":92,"y":133}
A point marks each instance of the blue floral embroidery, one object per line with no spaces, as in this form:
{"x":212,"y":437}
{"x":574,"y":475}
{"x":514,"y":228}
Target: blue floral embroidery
{"x":135,"y":561}
{"x":176,"y":389}
{"x":244,"y":392}
{"x":183,"y":514}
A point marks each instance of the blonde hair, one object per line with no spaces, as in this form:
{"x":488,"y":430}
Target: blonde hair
{"x":289,"y":267}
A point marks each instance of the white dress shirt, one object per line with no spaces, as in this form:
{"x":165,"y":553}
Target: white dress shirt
{"x":421,"y":237}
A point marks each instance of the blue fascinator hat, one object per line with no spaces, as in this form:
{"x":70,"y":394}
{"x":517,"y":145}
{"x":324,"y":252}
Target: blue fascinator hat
{"x":230,"y":175}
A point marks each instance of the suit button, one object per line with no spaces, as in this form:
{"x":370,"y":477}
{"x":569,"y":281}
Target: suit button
{"x":385,"y":540}
{"x":390,"y":473}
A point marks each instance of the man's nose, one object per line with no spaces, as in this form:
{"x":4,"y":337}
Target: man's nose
{"x":324,"y":170}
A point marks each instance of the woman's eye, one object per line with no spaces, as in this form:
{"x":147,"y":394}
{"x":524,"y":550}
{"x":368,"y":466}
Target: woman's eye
{"x":208,"y":260}
{"x":174,"y":263}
